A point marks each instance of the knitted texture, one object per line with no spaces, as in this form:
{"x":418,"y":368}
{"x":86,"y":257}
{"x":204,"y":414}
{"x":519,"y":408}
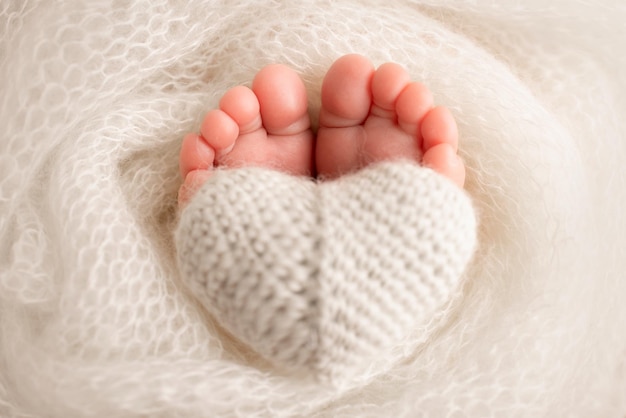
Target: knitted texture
{"x":326,"y":277}
{"x":95,"y":98}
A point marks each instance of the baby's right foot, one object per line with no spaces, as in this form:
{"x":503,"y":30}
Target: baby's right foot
{"x":266,"y":126}
{"x":371,"y":115}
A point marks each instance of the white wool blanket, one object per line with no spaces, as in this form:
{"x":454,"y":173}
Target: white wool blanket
{"x":95,"y":97}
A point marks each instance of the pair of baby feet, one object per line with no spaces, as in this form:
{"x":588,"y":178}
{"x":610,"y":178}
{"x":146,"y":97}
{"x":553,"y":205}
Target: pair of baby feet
{"x":368,"y":115}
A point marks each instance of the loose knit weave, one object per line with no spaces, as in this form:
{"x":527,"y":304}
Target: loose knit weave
{"x":96,"y":319}
{"x":326,"y":277}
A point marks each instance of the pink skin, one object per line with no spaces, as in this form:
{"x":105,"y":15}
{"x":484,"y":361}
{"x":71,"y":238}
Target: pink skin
{"x":368,"y":115}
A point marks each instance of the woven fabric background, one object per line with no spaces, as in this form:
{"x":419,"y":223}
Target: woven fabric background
{"x":95,"y":97}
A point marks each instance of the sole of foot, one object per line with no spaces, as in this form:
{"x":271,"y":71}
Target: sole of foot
{"x":265,"y":126}
{"x":370,"y":115}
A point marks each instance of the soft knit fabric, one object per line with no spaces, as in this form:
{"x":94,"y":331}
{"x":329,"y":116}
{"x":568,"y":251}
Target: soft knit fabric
{"x":95,"y":97}
{"x":326,"y":277}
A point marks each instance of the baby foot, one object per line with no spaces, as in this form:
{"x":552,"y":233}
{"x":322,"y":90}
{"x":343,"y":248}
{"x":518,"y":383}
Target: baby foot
{"x":370,"y":115}
{"x":266,"y":126}
{"x":326,"y":281}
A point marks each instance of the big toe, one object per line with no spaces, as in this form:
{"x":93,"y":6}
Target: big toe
{"x":346,"y":96}
{"x":283,"y":100}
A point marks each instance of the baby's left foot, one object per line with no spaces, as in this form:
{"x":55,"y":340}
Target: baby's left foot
{"x":266,"y":126}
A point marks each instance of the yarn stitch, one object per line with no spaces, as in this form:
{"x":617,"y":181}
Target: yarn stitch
{"x":326,"y":276}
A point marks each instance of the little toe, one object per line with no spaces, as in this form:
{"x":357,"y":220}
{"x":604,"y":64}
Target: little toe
{"x":193,"y":182}
{"x":388,"y":82}
{"x":443,"y":159}
{"x":195,"y":154}
{"x":196,"y":164}
{"x":440,"y":138}
{"x":439,"y":127}
{"x":346,"y":93}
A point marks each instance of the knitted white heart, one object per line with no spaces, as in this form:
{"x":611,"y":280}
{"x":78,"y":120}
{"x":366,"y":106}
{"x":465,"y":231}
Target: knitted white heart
{"x":325,"y":276}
